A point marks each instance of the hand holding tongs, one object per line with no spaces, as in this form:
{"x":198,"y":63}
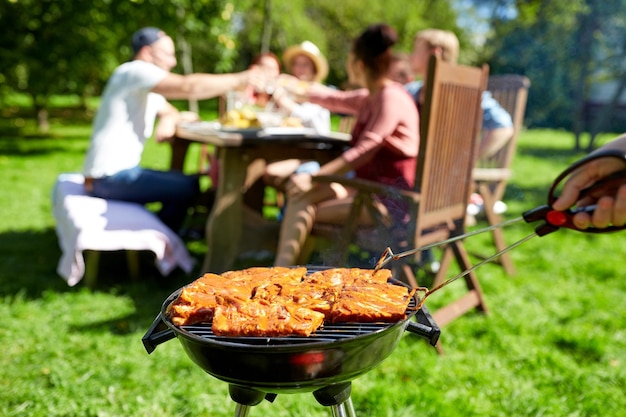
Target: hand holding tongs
{"x":552,"y":220}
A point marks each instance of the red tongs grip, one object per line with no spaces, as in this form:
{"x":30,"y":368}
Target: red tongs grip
{"x":542,"y":213}
{"x":554,"y":219}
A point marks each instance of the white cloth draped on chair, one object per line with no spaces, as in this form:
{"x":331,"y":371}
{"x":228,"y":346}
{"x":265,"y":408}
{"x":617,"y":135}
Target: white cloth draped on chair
{"x":89,"y":223}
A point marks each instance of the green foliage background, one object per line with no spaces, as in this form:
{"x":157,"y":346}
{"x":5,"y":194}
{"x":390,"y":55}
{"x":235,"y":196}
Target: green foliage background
{"x":71,"y":46}
{"x":565,"y":48}
{"x":65,"y":47}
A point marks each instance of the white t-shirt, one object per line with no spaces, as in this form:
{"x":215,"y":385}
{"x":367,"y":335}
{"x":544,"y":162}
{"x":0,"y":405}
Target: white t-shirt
{"x":125,"y":119}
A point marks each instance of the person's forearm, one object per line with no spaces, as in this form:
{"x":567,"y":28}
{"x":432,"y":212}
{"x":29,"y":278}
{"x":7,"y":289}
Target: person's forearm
{"x":200,"y":86}
{"x":337,"y":166}
{"x":166,"y":126}
{"x":493,"y":140}
{"x":211,"y":85}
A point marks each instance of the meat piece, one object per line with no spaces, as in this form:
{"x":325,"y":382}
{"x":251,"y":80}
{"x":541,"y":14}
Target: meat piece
{"x":369,"y":276}
{"x":348,"y":276}
{"x":316,"y":297}
{"x":198,"y":299}
{"x":333,"y":277}
{"x":194,"y":308}
{"x":369,"y":304}
{"x":261,"y":318}
{"x":305,"y":294}
{"x":262,"y":275}
{"x":268,"y":292}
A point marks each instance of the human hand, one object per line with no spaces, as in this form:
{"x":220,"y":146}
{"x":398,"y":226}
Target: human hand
{"x":283,"y":100}
{"x":296,"y":88}
{"x":165,"y":132}
{"x":188,"y":116}
{"x":610,"y":205}
{"x":298,"y":184}
{"x":287,"y":80}
{"x":165,"y":129}
{"x":256,"y":78}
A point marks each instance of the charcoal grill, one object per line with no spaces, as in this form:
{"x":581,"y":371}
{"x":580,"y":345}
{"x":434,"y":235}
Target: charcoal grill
{"x":324,"y":363}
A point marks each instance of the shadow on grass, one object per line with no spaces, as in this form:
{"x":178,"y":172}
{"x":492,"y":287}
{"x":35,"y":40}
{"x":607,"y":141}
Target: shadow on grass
{"x":28,"y":270}
{"x":28,"y":264}
{"x":548,"y":152}
{"x":530,"y":196}
{"x":27,"y":146}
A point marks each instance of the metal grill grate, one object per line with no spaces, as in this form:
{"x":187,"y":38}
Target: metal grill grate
{"x":329,"y":333}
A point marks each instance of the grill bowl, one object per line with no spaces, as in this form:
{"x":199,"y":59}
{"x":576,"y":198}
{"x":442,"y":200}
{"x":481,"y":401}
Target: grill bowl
{"x":335,"y":354}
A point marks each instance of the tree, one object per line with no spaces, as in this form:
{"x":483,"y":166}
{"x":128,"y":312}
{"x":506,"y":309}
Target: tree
{"x":45,"y":48}
{"x":52,"y":47}
{"x":564,"y":47}
{"x":332,"y":25}
{"x":604,"y":33}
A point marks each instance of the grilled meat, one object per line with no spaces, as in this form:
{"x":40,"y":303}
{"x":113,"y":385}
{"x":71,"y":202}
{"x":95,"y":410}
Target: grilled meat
{"x":236,"y":317}
{"x":281,"y":301}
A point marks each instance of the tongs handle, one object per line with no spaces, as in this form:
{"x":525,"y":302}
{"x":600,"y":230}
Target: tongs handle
{"x":556,"y":219}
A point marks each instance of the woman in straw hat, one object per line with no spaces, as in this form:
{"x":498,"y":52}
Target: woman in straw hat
{"x":305,"y":64}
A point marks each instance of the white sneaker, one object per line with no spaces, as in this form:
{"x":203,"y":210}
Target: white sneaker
{"x":499,"y":207}
{"x":474,"y":209}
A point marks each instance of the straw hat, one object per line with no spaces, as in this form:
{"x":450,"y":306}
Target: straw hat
{"x":310,"y":50}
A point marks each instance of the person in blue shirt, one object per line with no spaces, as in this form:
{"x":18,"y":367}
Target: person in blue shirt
{"x":497,"y":127}
{"x":400,"y":69}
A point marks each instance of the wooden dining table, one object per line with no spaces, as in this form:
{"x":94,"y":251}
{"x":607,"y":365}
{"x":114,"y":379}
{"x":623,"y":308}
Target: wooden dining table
{"x":242,"y":155}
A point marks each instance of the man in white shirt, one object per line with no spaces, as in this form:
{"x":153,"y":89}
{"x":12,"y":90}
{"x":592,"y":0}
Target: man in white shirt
{"x":134,"y":97}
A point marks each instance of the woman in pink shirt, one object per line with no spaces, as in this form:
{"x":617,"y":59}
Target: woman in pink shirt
{"x":384,"y":145}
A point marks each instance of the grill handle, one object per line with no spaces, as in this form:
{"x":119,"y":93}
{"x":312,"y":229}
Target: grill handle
{"x":425,"y":326}
{"x":157,"y":333}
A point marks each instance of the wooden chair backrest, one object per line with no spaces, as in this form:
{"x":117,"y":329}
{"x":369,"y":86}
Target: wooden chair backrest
{"x":451,"y":119}
{"x":511,"y":91}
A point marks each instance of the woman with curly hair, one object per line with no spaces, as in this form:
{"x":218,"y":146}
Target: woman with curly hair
{"x":384,"y":145}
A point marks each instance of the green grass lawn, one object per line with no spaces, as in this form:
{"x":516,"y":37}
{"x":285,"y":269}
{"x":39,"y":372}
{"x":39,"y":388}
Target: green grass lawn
{"x":553,"y":343}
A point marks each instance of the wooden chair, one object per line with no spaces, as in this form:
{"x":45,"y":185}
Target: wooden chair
{"x":492,"y":173}
{"x":449,"y":127}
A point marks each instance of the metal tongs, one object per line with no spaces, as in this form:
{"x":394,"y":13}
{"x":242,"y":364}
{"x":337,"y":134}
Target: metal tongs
{"x":552,"y":220}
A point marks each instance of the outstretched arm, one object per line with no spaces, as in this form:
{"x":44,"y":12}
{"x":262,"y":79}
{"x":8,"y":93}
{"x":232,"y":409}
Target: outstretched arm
{"x":205,"y":86}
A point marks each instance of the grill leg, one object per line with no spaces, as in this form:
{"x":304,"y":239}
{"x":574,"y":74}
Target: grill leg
{"x":345,"y":409}
{"x":245,"y":399}
{"x":337,"y":397}
{"x":242,"y":410}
